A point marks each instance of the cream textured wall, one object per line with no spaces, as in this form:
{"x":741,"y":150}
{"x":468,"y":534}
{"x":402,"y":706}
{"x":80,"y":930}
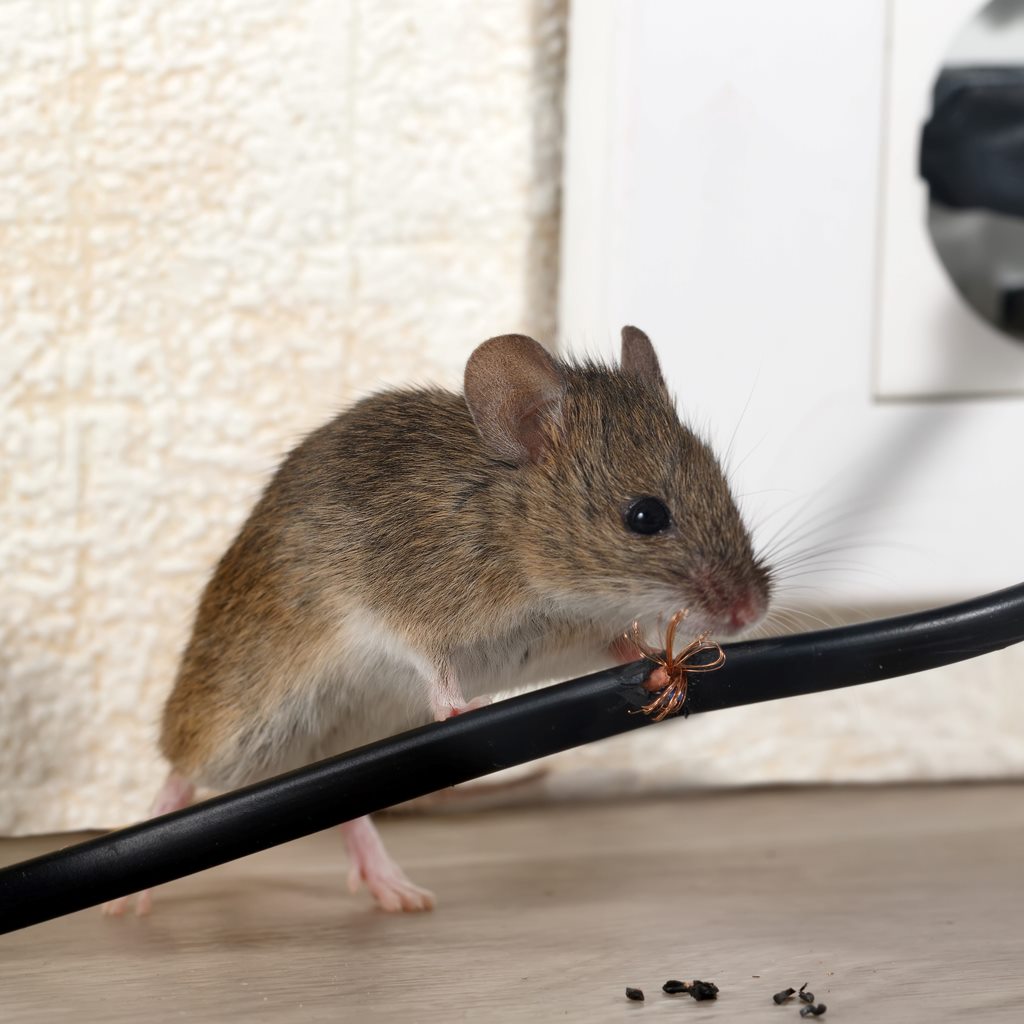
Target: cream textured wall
{"x":218,"y":223}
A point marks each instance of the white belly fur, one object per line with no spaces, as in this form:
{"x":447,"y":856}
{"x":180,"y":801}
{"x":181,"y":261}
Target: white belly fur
{"x":372,"y":684}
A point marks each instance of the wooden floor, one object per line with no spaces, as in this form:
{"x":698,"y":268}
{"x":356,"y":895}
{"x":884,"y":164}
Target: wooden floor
{"x":893,"y":904}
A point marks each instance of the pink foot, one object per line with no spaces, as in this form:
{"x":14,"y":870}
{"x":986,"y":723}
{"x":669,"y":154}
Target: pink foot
{"x":471,"y":705}
{"x":446,"y":699}
{"x":176,"y":793}
{"x":117,"y":908}
{"x":624,"y":651}
{"x":372,"y":864}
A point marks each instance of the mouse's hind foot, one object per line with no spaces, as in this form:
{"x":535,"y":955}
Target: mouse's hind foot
{"x":372,"y":864}
{"x":118,"y":908}
{"x":177,"y":792}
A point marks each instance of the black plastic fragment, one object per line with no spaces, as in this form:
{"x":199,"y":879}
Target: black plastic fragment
{"x":813,"y":1011}
{"x":635,"y":994}
{"x":785,"y":994}
{"x":701,"y":990}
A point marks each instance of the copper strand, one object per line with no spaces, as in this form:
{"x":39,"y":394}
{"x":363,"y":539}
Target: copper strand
{"x":671,"y":698}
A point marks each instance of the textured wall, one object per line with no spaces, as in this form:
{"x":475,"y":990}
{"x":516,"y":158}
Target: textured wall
{"x":218,"y":223}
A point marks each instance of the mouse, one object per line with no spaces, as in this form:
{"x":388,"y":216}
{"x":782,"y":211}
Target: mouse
{"x":426,"y":549}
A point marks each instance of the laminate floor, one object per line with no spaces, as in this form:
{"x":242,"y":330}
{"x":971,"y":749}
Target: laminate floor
{"x":894,"y":904}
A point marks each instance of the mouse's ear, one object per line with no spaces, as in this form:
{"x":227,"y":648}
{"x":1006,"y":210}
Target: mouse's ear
{"x":514,"y":390}
{"x":639,"y":358}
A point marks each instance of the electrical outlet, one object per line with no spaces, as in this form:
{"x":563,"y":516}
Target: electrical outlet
{"x":930,"y":341}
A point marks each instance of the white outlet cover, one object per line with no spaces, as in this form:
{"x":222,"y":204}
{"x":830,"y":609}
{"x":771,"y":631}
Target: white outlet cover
{"x":929,"y":342}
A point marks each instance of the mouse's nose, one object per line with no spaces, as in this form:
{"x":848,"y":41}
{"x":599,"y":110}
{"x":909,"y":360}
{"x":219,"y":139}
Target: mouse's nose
{"x":746,"y":611}
{"x":729,"y":604}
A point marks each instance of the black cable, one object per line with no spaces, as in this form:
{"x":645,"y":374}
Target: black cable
{"x":508,"y":733}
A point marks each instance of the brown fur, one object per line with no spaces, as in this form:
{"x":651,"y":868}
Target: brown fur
{"x":458,"y":533}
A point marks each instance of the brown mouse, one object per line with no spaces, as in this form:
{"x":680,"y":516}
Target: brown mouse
{"x":425,"y":549}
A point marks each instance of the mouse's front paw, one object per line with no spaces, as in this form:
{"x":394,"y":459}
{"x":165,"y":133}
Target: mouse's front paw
{"x":624,"y":651}
{"x":470,"y":705}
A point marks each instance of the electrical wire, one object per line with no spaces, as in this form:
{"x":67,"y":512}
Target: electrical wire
{"x":507,"y":733}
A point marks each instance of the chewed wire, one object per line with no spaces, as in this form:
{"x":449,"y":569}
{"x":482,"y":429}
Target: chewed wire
{"x":670,"y":698}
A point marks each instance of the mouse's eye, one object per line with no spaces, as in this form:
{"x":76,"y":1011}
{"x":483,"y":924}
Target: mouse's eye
{"x":647,"y":515}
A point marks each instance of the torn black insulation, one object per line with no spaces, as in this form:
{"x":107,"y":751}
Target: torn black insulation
{"x":510,"y":732}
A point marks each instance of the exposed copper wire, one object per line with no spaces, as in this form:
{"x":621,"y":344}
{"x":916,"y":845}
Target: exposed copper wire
{"x":671,"y":696}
